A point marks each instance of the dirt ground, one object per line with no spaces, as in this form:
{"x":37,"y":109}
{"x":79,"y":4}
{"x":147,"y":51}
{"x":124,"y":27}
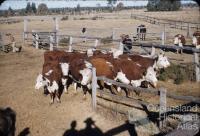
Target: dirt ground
{"x":18,"y":72}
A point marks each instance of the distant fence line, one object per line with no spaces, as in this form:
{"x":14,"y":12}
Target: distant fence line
{"x":183,"y":25}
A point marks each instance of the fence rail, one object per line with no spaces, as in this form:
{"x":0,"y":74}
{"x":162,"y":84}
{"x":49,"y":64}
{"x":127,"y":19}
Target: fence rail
{"x":162,"y":92}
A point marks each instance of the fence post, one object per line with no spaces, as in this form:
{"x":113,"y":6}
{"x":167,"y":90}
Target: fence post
{"x":56,"y":31}
{"x":163,"y":107}
{"x":51,"y":43}
{"x":96,"y":43}
{"x":113,"y":34}
{"x":13,"y":46}
{"x":70,"y":44}
{"x":163,"y":38}
{"x":36,"y":41}
{"x":197,"y":66}
{"x":121,"y":46}
{"x":188,"y":30}
{"x":25,"y":29}
{"x":94,"y":89}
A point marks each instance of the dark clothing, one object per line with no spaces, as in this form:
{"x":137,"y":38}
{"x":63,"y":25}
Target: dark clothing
{"x":128,"y":43}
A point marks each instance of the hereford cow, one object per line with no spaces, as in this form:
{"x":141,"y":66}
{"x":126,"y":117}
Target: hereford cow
{"x":141,"y":32}
{"x":130,"y":72}
{"x":51,"y":78}
{"x":179,"y":40}
{"x":196,"y":39}
{"x":103,"y":68}
{"x":159,"y":62}
{"x":81,"y":72}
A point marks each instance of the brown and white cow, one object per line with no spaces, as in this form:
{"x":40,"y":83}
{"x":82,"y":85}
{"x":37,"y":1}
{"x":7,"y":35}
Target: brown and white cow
{"x":180,"y":41}
{"x":159,"y":62}
{"x":196,"y":39}
{"x":51,"y":78}
{"x":81,"y":72}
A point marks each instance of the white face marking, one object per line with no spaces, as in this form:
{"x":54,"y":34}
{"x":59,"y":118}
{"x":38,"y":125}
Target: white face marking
{"x":151,"y":76}
{"x":137,"y":83}
{"x":162,"y":62}
{"x":86,"y":76}
{"x":129,"y":59}
{"x":40,"y":82}
{"x":65,"y":68}
{"x":49,"y":72}
{"x":176,"y":41}
{"x":194,"y":40}
{"x":53,"y":88}
{"x":122,"y":78}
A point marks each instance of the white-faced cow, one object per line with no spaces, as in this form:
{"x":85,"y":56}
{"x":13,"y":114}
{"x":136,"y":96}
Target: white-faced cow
{"x":51,"y":78}
{"x":179,"y":40}
{"x":196,"y":39}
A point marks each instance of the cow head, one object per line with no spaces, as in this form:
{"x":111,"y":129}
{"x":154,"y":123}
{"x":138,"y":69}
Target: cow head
{"x":176,"y":40}
{"x":194,"y":40}
{"x":64,"y":68}
{"x":40,"y":82}
{"x":150,"y":76}
{"x":86,"y":73}
{"x":122,"y":78}
{"x":86,"y":76}
{"x":162,"y":61}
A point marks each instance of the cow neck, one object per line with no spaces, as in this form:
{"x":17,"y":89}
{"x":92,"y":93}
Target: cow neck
{"x":155,"y":63}
{"x":74,"y":79}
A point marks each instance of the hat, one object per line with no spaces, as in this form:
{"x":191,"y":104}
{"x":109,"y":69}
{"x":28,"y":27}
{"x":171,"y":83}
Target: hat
{"x":89,"y":121}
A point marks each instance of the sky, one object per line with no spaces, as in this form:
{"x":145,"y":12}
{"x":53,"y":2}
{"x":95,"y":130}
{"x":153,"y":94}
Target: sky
{"x":19,"y":4}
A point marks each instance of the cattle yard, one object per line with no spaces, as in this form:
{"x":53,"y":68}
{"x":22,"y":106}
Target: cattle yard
{"x":19,"y":71}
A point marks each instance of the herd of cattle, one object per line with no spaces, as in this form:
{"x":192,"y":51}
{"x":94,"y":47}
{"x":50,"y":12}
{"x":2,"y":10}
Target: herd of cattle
{"x":61,"y":68}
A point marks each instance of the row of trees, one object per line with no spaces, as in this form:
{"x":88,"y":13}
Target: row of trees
{"x":42,"y":9}
{"x":163,"y":5}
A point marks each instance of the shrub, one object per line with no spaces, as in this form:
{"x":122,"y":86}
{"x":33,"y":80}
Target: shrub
{"x":106,"y":40}
{"x":64,"y":42}
{"x":65,"y":18}
{"x":178,"y":73}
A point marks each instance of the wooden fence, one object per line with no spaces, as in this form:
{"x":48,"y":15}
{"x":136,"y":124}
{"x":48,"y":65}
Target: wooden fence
{"x":171,"y":23}
{"x":162,"y":92}
{"x":53,"y":44}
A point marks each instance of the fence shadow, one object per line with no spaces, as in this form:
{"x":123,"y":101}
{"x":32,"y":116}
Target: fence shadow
{"x":24,"y":132}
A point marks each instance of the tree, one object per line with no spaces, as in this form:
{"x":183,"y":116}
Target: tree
{"x":10,"y":11}
{"x":120,"y":6}
{"x":42,"y":9}
{"x":33,"y":7}
{"x":28,"y":8}
{"x":78,"y":8}
{"x":163,"y":5}
{"x":111,"y":3}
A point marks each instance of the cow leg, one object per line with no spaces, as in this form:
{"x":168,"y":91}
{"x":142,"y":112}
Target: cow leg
{"x":75,"y":88}
{"x":84,"y":92}
{"x":52,"y":95}
{"x":58,"y":97}
{"x":46,"y":92}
